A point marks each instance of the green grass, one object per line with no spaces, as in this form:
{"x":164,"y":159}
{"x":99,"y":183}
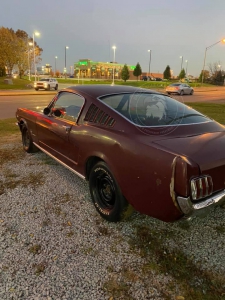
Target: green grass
{"x":18,"y":84}
{"x":23,"y":83}
{"x":215,"y":111}
{"x":8,"y":127}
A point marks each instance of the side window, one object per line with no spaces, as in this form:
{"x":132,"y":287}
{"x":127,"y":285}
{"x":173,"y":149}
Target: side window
{"x":69,"y":105}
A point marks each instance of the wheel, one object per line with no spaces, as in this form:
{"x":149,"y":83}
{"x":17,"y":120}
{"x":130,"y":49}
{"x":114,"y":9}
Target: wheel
{"x":192,"y":92}
{"x":27,"y":141}
{"x":36,"y":89}
{"x":106,"y":194}
{"x":48,"y":88}
{"x":56,"y":87}
{"x":168,"y":93}
{"x":181,"y":92}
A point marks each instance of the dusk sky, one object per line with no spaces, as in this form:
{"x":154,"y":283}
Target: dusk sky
{"x":170,"y":28}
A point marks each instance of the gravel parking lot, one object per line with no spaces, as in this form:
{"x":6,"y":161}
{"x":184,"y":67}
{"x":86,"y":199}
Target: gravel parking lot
{"x":55,"y":246}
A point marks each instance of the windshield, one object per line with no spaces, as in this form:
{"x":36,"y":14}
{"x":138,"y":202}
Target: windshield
{"x":147,"y":109}
{"x":44,"y":79}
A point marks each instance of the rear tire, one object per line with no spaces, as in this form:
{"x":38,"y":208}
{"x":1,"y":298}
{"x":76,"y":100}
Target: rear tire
{"x":27,"y":141}
{"x":36,"y":89}
{"x":56,"y":87}
{"x":48,"y":88}
{"x":106,"y":194}
{"x":181,"y":92}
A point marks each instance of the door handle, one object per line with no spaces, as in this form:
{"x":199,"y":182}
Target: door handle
{"x":67,"y":128}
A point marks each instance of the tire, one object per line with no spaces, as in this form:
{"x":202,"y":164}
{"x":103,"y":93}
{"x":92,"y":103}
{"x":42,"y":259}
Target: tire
{"x":48,"y":88}
{"x":27,"y":141}
{"x":168,"y":93}
{"x":106,"y":194}
{"x":56,"y":87}
{"x":181,"y":93}
{"x":36,"y":89}
{"x":192,"y":92}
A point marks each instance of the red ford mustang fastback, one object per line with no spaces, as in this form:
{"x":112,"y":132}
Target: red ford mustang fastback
{"x":138,"y":149}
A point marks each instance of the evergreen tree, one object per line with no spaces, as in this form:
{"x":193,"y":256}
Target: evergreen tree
{"x":182,"y":74}
{"x":125,"y":75}
{"x":167,"y":73}
{"x":137,"y":71}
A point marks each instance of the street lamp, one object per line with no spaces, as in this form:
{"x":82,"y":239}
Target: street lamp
{"x":181,"y":63}
{"x":65,"y":60}
{"x":29,"y":44}
{"x":203,"y":70}
{"x":114,"y":50}
{"x":35,"y":73}
{"x":55,"y":64}
{"x":186,"y":66}
{"x":149,"y":68}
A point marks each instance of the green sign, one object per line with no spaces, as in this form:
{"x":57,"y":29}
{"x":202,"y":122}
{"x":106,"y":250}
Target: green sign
{"x":83,"y":63}
{"x":132,"y":67}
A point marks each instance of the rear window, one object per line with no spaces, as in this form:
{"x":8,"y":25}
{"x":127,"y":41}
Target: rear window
{"x":147,"y":109}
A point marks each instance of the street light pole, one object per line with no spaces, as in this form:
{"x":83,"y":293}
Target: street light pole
{"x":149,"y":67}
{"x":203,"y":70}
{"x":29,"y":44}
{"x":65,"y":60}
{"x":35,"y":73}
{"x":55,"y":64}
{"x":186,"y":66}
{"x":114,"y":59}
{"x":181,"y":63}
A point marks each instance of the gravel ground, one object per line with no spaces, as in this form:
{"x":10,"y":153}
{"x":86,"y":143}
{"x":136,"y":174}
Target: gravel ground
{"x":55,"y":246}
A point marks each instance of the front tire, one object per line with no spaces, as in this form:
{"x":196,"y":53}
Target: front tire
{"x":106,"y":194}
{"x":27,"y":141}
{"x":192,"y":92}
{"x":56,"y":87}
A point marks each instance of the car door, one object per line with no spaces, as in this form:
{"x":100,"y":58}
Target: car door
{"x":54,"y":129}
{"x":186,"y":89}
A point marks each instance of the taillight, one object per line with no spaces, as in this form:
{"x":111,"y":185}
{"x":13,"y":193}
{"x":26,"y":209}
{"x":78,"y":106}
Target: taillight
{"x":176,"y":88}
{"x":201,"y":187}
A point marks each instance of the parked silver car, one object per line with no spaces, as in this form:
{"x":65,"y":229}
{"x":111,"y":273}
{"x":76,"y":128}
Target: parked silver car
{"x":180,"y":89}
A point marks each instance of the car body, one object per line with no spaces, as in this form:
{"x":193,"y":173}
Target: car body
{"x":145,"y":78}
{"x":46,"y":84}
{"x":180,"y":89}
{"x":138,"y":149}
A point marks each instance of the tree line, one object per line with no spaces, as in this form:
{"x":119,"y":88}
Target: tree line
{"x":17,"y":49}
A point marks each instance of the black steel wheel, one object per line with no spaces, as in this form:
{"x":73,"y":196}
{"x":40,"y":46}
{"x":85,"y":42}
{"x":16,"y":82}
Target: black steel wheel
{"x":106,"y":194}
{"x":27,"y":141}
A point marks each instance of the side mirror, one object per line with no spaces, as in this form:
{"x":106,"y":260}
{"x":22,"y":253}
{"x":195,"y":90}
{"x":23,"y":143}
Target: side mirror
{"x":57,"y":113}
{"x":46,"y":111}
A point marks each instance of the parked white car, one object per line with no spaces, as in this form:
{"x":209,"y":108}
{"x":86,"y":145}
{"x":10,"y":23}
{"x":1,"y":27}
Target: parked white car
{"x":46,"y":84}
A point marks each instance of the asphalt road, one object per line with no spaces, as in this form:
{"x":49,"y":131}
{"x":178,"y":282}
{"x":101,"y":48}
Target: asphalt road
{"x":9,"y":103}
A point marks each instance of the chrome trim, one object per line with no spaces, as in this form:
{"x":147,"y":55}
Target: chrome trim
{"x":59,"y":161}
{"x":189,"y":208}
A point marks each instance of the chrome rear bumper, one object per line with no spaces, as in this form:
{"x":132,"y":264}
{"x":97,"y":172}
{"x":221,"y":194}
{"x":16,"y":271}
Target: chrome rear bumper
{"x":189,"y":208}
